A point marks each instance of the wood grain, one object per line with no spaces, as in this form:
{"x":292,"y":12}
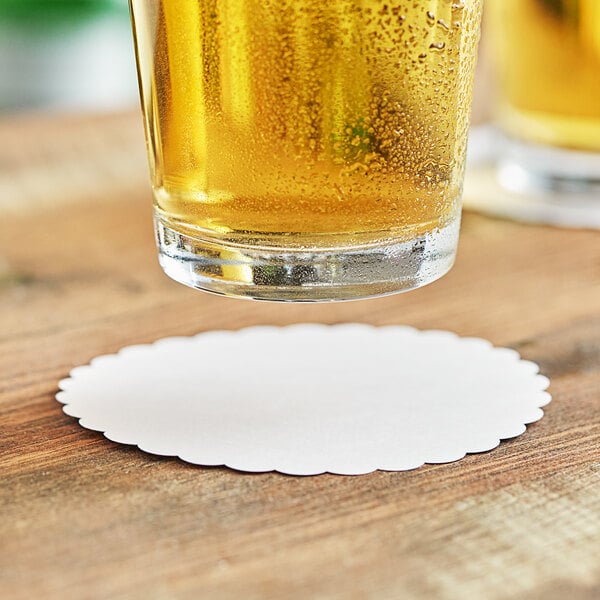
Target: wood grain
{"x":82,"y":517}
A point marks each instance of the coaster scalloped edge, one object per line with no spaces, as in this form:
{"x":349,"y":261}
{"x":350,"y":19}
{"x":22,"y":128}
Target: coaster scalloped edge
{"x":249,"y":420}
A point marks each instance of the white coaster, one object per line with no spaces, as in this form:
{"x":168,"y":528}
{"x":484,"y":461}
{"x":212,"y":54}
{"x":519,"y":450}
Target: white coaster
{"x":309,"y":399}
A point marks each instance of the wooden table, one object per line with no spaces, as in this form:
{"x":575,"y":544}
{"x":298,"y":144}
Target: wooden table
{"x":82,"y":517}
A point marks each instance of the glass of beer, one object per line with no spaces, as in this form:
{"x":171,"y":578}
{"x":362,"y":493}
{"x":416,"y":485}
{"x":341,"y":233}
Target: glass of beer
{"x":547,"y":55}
{"x":305,"y":150}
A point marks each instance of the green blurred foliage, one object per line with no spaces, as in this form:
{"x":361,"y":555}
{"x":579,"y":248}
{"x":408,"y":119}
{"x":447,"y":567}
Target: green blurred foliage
{"x":31,"y":12}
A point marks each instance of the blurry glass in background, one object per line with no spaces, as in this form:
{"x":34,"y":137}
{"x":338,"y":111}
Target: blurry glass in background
{"x":547,"y":58}
{"x":66,"y":54}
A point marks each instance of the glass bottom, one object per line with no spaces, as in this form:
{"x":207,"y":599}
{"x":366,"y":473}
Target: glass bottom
{"x":305,"y":275}
{"x":536,"y":168}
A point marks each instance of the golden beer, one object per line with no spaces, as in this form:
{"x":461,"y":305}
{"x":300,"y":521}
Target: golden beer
{"x":548,"y":58}
{"x":322,"y":132}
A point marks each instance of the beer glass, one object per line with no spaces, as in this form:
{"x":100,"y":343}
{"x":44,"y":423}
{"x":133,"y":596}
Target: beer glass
{"x":306,"y":150}
{"x":547,"y":55}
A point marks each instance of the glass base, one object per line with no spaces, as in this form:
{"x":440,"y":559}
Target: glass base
{"x":305,"y":275}
{"x":535,"y":168}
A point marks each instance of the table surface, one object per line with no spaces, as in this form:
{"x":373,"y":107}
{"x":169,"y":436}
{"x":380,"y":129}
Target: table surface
{"x":83,"y":517}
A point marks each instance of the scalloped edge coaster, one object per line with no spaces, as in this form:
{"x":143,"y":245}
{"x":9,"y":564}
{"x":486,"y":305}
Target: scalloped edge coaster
{"x":308,"y":399}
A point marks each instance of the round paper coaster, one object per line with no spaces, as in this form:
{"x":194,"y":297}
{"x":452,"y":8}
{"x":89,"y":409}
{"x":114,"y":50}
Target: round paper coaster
{"x":309,"y":399}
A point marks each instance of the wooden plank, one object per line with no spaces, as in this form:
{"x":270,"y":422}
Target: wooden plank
{"x":83,"y":517}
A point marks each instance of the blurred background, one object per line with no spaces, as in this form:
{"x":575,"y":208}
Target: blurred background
{"x":63,"y":55}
